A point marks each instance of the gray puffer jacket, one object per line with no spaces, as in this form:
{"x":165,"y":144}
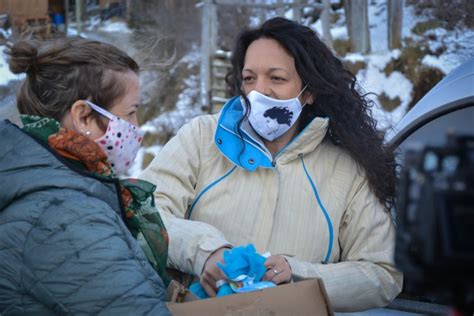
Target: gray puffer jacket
{"x":64,"y":248}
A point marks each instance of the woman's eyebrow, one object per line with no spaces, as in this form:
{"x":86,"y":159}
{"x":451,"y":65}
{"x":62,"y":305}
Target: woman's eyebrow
{"x":278,"y":68}
{"x":249,"y":70}
{"x":269,"y":70}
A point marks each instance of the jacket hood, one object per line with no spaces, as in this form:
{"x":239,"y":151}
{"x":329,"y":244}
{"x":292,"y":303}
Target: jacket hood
{"x":26,"y":167}
{"x":248,"y":151}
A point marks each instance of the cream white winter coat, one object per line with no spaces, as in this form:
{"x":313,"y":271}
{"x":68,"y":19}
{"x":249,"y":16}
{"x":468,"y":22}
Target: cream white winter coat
{"x":311,"y":203}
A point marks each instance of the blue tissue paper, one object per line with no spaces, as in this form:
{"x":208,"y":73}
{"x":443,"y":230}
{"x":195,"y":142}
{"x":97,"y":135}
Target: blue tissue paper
{"x":243,"y":262}
{"x":244,"y":270}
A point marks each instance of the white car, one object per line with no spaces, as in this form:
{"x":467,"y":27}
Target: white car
{"x":435,"y":208}
{"x":447,"y":108}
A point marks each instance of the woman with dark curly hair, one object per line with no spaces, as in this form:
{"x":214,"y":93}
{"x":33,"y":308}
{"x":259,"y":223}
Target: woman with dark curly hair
{"x":313,"y":188}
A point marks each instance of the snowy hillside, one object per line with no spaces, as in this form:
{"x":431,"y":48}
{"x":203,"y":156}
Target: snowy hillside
{"x":391,"y":76}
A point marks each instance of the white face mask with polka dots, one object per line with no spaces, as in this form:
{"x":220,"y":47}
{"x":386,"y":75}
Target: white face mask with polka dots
{"x":120,"y":142}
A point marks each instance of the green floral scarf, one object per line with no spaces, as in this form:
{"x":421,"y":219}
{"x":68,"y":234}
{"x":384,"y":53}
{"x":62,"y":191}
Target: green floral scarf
{"x":142,"y":217}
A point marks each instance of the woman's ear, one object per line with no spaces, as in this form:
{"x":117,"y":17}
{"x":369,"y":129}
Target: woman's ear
{"x":80,"y":118}
{"x":308,"y":97}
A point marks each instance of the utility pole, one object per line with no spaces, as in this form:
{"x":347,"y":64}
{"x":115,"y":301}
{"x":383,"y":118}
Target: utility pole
{"x":208,"y":48}
{"x":79,"y":16}
{"x":296,"y":6}
{"x":394,"y":27}
{"x":129,"y":9}
{"x":358,"y":25}
{"x":326,"y":23}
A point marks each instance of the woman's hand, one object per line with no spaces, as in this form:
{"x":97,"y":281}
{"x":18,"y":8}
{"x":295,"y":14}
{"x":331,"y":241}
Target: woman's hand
{"x":278,"y":270}
{"x":211,"y":273}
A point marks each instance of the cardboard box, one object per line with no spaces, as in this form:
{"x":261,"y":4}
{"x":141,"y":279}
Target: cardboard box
{"x":301,"y":298}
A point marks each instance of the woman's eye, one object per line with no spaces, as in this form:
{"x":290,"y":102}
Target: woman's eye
{"x":275,"y":78}
{"x":247,"y":79}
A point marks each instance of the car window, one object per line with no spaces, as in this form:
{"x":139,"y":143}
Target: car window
{"x":451,"y":196}
{"x":460,"y":122}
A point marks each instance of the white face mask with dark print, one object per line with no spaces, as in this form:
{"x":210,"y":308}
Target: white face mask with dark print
{"x":271,"y":118}
{"x":120,"y":142}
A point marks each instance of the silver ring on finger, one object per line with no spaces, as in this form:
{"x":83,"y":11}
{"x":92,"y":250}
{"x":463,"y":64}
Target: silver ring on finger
{"x":220,"y":283}
{"x":276,"y":272}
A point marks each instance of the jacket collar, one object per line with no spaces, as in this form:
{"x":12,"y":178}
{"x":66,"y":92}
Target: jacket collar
{"x":244,"y":147}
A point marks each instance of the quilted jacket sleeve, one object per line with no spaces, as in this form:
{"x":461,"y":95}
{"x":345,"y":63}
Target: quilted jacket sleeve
{"x":191,"y":242}
{"x":79,"y":257}
{"x":366,"y":276}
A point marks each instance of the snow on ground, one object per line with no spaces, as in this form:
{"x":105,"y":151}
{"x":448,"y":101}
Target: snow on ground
{"x":170,"y":122}
{"x":94,"y":24}
{"x":459,"y":46}
{"x":72,"y":31}
{"x":409,"y":20}
{"x":338,"y":29}
{"x":5,"y":74}
{"x":108,"y":26}
{"x":185,"y":106}
{"x":459,"y":43}
{"x":115,"y":26}
{"x":5,"y":33}
{"x":378,"y":26}
{"x":373,"y":79}
{"x":185,"y":110}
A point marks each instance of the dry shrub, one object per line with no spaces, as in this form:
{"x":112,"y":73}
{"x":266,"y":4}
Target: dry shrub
{"x":388,"y":103}
{"x":451,"y":12}
{"x":427,"y":78}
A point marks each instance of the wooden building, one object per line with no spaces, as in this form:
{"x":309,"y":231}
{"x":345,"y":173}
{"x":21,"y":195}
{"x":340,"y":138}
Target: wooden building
{"x":36,"y":16}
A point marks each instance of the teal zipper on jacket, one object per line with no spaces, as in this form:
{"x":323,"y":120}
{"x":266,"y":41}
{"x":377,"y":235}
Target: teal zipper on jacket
{"x":323,"y":209}
{"x":207,"y":188}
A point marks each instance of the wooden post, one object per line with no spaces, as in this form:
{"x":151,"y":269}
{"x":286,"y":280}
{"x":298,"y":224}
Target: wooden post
{"x":297,"y":9}
{"x":66,"y":16}
{"x":79,"y":16}
{"x":214,"y":27}
{"x":326,"y":23}
{"x":359,"y":24}
{"x":206,"y":52}
{"x":348,"y":13}
{"x":129,"y":9}
{"x":394,"y":20}
{"x":280,"y":8}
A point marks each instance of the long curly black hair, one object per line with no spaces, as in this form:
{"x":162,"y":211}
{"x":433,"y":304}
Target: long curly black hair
{"x":351,"y":125}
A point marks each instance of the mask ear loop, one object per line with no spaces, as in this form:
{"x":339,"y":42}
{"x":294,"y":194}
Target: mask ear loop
{"x":100,"y":110}
{"x":301,"y":92}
